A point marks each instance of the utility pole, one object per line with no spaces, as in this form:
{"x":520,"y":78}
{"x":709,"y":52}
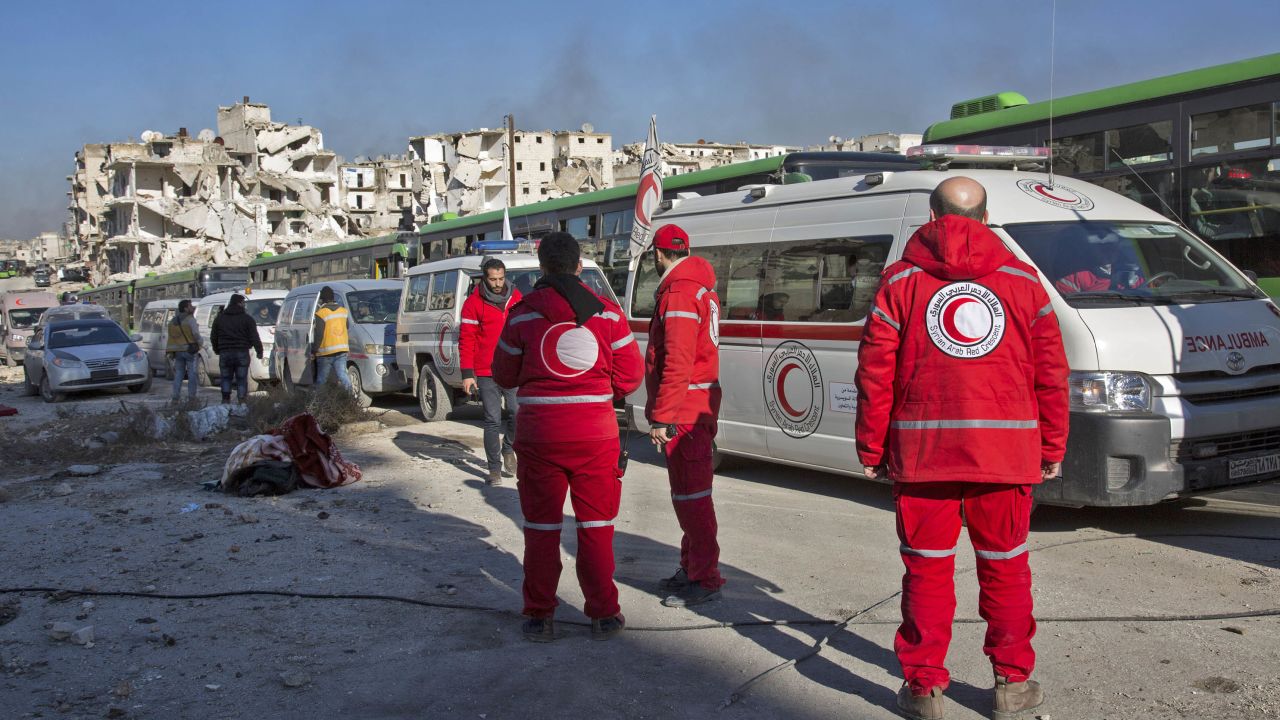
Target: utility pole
{"x":511,"y":160}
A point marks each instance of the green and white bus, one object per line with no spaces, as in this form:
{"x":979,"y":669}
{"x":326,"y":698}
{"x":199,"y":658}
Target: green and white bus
{"x":1201,"y":147}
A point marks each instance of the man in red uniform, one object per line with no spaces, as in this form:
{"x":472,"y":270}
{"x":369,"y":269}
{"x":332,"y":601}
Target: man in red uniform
{"x":570,"y":353}
{"x":962,"y":403}
{"x":483,"y":316}
{"x":682,"y":376}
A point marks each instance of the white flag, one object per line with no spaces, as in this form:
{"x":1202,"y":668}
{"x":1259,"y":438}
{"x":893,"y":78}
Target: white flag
{"x":506,"y":225}
{"x":649,"y":191}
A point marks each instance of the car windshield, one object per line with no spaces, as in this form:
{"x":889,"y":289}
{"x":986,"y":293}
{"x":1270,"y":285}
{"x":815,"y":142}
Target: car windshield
{"x":1129,"y":263}
{"x":374,"y":307}
{"x":264,"y":312}
{"x":25,"y":318}
{"x":525,"y":279}
{"x":78,"y":335}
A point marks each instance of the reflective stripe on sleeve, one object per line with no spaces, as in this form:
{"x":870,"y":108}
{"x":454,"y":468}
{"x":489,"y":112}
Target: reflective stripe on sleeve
{"x":1070,"y":284}
{"x":609,"y":315}
{"x":680,"y":314}
{"x":508,"y":349}
{"x":905,"y":273}
{"x":522,"y":318}
{"x":1048,"y":308}
{"x":965,"y":424}
{"x":595,"y":523}
{"x":998,"y":555}
{"x":701,"y":292}
{"x":623,"y":342}
{"x":703,"y":386}
{"x":563,"y":399}
{"x":885,"y":317}
{"x":926,"y":553}
{"x":694,"y":496}
{"x":466,"y":321}
{"x":543,"y":526}
{"x":1018,"y":272}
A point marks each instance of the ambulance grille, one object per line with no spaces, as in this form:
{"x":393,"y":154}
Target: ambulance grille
{"x":1233,"y":444}
{"x":1229,"y":395}
{"x":1219,"y":374}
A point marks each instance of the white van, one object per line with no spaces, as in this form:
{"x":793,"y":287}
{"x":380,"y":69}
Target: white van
{"x":261,"y":305}
{"x":154,"y":329}
{"x":430,"y":312}
{"x":20,"y":310}
{"x":1175,"y":383}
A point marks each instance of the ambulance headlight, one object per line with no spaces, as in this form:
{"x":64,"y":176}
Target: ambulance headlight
{"x":1109,"y":392}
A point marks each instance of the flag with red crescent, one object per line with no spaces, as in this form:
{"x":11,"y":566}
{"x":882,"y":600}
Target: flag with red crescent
{"x":649,"y":190}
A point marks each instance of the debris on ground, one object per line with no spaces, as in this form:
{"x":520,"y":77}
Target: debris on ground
{"x":62,"y":490}
{"x":294,"y":679}
{"x":84,"y":470}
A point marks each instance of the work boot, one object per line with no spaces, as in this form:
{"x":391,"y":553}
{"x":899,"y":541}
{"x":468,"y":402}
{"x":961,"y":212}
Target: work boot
{"x":920,"y":707}
{"x":676,"y":582}
{"x":541,"y":630}
{"x":692,"y":594}
{"x":605,"y":628}
{"x":494,"y":479}
{"x":1013,"y":699}
{"x":509,"y":463}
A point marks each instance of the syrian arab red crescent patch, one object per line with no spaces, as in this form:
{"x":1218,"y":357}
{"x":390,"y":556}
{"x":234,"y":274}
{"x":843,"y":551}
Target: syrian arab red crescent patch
{"x":965,"y":320}
{"x":568,"y":350}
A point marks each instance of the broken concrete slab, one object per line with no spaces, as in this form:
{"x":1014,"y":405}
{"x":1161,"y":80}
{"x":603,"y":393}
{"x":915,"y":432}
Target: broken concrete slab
{"x":84,"y":470}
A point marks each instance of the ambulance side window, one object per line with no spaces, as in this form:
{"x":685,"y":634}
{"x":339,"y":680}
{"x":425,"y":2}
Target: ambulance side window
{"x":419,"y":285}
{"x":738,"y":272}
{"x":827,"y":280}
{"x":444,"y":290}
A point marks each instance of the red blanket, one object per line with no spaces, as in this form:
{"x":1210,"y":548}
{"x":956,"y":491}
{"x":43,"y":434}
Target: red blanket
{"x":315,"y":454}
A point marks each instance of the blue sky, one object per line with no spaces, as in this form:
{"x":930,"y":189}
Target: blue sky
{"x":371,"y":73}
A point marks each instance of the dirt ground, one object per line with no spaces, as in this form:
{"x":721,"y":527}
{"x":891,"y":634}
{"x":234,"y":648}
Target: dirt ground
{"x":422,"y":525}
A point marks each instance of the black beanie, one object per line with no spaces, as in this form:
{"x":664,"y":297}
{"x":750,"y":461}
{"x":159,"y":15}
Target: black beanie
{"x":237,"y":299}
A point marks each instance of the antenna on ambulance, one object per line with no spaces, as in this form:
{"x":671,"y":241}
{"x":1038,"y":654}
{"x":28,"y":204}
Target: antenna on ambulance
{"x":1053,"y":21}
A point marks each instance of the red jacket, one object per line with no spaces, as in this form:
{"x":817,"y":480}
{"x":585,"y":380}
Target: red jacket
{"x":481,"y":326}
{"x":961,"y":372}
{"x":568,"y":375}
{"x":682,"y":362}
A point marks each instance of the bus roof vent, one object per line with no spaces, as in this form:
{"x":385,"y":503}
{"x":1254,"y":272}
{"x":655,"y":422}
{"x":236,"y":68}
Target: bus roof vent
{"x":990,"y":103}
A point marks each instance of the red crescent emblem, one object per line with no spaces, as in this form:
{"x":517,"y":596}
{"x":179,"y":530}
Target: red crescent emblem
{"x":949,"y":320}
{"x":782,"y":393}
{"x":19,"y":301}
{"x":444,"y":349}
{"x":1041,"y":189}
{"x":648,"y":187}
{"x":568,"y":350}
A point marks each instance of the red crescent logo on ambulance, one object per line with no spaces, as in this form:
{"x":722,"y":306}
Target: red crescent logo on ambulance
{"x":19,"y":302}
{"x":965,"y":320}
{"x":442,"y":346}
{"x":1057,"y":194}
{"x":568,"y":350}
{"x":793,"y":389}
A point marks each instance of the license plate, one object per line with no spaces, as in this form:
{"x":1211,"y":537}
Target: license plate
{"x":103,"y":374}
{"x":1248,"y":467}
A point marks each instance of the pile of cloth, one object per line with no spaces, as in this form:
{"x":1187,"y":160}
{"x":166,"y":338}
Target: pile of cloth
{"x":296,"y":454}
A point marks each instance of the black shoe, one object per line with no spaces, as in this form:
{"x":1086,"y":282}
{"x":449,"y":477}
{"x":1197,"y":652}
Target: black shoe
{"x":539,"y":630}
{"x":676,"y":582}
{"x":509,"y":463}
{"x":605,"y":628}
{"x":494,"y":479}
{"x":692,"y":594}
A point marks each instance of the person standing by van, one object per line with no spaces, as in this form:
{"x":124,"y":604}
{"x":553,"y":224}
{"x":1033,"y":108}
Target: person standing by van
{"x":571,"y":354}
{"x":682,"y":376}
{"x":962,"y":403}
{"x":233,"y":333}
{"x":329,"y":339}
{"x":483,"y":316}
{"x":183,"y":344}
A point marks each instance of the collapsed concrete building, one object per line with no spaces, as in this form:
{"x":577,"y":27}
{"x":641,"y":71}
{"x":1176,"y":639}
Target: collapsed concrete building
{"x":888,"y":142}
{"x":174,"y":201}
{"x":681,"y":158}
{"x":378,"y":194}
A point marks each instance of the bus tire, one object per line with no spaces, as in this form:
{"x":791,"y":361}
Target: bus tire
{"x":357,"y":386}
{"x":435,"y":401}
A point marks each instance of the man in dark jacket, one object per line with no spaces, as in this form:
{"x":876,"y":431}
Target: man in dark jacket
{"x":234,"y":332}
{"x":962,"y":403}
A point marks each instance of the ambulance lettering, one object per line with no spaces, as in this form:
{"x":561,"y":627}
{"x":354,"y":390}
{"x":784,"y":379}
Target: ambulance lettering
{"x":1230,"y":341}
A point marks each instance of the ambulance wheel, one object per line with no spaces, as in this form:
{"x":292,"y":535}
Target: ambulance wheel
{"x":434,"y":399}
{"x":357,"y":387}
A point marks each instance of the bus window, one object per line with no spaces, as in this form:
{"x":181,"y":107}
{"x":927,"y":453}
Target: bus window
{"x":1242,"y":128}
{"x":581,"y":228}
{"x":1140,"y":144}
{"x":619,"y":223}
{"x":1236,"y":207}
{"x":1079,"y":154}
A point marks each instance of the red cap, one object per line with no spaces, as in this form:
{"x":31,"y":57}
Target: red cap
{"x":671,"y":237}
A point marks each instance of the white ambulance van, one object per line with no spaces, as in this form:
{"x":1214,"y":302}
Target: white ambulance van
{"x":1175,"y":354}
{"x":431,"y":311}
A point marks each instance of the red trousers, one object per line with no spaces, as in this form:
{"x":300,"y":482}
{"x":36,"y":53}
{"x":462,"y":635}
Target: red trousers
{"x":587,"y":471}
{"x":998,"y":518}
{"x":689,"y":470}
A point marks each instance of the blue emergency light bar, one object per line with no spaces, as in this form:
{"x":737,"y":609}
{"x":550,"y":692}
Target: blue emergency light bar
{"x":489,"y":247}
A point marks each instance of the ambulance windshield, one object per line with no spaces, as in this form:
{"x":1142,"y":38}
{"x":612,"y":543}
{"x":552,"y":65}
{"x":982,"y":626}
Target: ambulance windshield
{"x":1129,"y":263}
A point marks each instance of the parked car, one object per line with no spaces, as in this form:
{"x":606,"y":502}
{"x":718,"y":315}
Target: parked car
{"x":41,"y":277}
{"x":372,"y":330}
{"x":20,"y":310}
{"x":430,"y":314}
{"x":261,"y":305}
{"x":78,"y":355}
{"x":154,"y":329}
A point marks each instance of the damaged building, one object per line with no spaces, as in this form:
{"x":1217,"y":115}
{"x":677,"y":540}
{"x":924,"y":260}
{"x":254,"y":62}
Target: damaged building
{"x":172,"y":201}
{"x":681,"y":158}
{"x":378,"y":195}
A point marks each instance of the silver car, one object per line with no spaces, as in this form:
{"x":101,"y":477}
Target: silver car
{"x":76,"y":355}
